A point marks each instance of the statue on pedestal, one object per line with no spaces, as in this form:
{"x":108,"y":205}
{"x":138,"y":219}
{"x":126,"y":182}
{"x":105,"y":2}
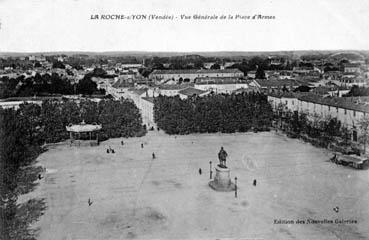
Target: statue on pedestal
{"x":222,"y":155}
{"x":222,"y":180}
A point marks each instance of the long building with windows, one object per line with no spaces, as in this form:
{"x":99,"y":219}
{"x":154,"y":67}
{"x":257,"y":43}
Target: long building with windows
{"x":349,"y":111}
{"x":191,"y":74}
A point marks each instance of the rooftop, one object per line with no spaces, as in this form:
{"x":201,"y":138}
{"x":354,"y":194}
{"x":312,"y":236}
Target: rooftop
{"x":37,"y":98}
{"x":175,"y":86}
{"x":356,"y":65}
{"x":284,"y":94}
{"x":149,"y":99}
{"x":195,"y":71}
{"x":122,"y":84}
{"x":219,"y":80}
{"x":277,"y":83}
{"x":83,"y":127}
{"x":340,"y":102}
{"x":190,"y":91}
{"x":138,"y":91}
{"x":246,"y":90}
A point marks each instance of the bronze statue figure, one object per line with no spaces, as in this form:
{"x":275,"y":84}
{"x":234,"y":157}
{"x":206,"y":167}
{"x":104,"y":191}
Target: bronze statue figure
{"x":222,"y":155}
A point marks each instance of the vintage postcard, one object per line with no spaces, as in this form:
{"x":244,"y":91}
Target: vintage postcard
{"x":198,"y":119}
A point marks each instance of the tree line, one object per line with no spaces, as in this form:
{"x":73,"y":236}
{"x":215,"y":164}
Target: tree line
{"x":321,"y":131}
{"x":118,"y":118}
{"x":213,"y":113}
{"x":18,"y":149}
{"x":46,"y":84}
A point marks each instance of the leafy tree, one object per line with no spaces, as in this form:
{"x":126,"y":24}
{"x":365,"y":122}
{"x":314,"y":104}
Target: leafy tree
{"x":357,"y":91}
{"x":302,"y":88}
{"x":58,"y":64}
{"x":364,"y":127}
{"x":215,"y":66}
{"x":198,"y":64}
{"x":53,"y":121}
{"x":89,"y":111}
{"x":99,"y":72}
{"x":37,"y":65}
{"x":260,"y":74}
{"x":119,"y":118}
{"x":19,"y":146}
{"x":86,"y":86}
{"x":213,"y":113}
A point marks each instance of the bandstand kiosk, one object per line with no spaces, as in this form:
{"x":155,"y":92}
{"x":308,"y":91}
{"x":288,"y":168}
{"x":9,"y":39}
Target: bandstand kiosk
{"x":84,"y":132}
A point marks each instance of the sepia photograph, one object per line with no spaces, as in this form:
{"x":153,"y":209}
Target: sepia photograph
{"x":188,"y":120}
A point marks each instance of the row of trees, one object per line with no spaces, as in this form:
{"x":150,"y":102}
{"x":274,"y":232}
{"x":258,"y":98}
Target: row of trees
{"x":18,"y":149}
{"x":213,"y":113}
{"x":118,"y":118}
{"x":44,"y":85}
{"x":313,"y":126}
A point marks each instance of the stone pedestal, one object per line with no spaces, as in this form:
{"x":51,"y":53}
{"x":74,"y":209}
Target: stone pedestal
{"x":222,"y":181}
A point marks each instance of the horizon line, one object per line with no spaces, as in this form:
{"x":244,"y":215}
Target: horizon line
{"x":154,"y":51}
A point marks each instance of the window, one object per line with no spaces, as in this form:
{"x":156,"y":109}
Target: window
{"x":354,"y":135}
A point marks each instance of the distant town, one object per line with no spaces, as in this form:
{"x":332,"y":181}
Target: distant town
{"x":326,"y":83}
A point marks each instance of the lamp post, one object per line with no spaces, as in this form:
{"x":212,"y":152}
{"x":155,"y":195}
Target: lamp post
{"x":235,"y":189}
{"x":211,"y":172}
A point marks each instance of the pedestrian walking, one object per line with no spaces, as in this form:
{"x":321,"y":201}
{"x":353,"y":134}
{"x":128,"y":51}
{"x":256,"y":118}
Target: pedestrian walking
{"x":200,"y":171}
{"x":254,"y":183}
{"x":142,"y":145}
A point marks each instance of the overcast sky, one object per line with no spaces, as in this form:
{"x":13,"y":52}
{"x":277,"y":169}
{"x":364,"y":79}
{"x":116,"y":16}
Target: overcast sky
{"x":65,"y":25}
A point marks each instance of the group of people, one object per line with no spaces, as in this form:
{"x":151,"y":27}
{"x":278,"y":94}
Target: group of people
{"x":152,"y":128}
{"x":110,"y":150}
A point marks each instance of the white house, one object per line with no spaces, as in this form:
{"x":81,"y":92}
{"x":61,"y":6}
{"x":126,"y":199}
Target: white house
{"x":220,"y":85}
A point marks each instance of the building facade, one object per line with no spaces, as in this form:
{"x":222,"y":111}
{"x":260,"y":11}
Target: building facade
{"x":348,"y":111}
{"x":191,"y":74}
